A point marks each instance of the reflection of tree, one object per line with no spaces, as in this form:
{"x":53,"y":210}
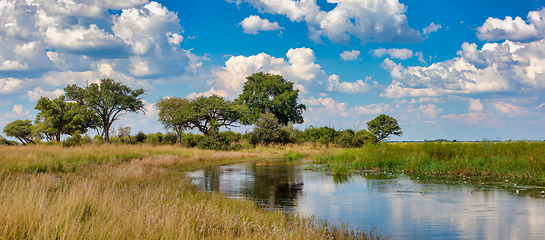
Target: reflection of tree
{"x":211,"y":180}
{"x":275,"y":184}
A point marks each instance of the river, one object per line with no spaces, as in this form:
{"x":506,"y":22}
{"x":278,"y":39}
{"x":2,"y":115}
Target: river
{"x":396,"y":205}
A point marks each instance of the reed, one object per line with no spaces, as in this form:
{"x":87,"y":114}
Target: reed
{"x":517,"y":161}
{"x":133,"y":192}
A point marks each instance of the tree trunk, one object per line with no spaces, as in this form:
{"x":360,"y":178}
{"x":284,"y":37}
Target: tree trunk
{"x":179,"y":139}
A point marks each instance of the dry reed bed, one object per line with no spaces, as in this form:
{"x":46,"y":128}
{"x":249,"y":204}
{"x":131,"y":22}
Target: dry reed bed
{"x":143,"y":198}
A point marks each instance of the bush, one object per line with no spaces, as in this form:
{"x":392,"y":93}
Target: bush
{"x":170,"y":138}
{"x":344,"y":138}
{"x":86,"y":139}
{"x":191,"y":140}
{"x":323,"y":135}
{"x":72,"y":141}
{"x":268,"y":130}
{"x":220,"y":142}
{"x":155,"y":138}
{"x":98,"y":140}
{"x":4,"y":141}
{"x":141,"y":137}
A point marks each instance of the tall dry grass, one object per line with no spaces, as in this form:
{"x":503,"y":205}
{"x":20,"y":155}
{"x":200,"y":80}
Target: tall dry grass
{"x":132,"y":192}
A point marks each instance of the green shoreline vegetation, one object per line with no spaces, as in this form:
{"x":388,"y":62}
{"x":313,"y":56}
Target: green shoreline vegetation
{"x":515,"y":161}
{"x":135,"y":192}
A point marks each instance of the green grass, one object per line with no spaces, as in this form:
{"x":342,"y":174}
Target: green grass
{"x":518,"y":161}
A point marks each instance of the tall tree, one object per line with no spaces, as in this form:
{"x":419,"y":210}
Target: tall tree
{"x":208,"y":114}
{"x":171,"y":115}
{"x":382,"y":127}
{"x":108,"y":101}
{"x":271,"y":93}
{"x":58,"y":116}
{"x":20,"y":129}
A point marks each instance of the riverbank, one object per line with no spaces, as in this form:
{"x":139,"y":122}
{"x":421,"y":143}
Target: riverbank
{"x":135,"y":192}
{"x":512,"y":161}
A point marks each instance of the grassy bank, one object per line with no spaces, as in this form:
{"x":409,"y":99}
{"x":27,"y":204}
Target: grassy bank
{"x":516,"y":161}
{"x":133,"y":192}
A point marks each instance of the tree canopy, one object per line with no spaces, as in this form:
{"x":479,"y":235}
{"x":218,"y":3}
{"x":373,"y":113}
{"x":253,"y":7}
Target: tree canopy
{"x":57,"y":117}
{"x":20,"y":129}
{"x":382,"y":127}
{"x":173,"y":115}
{"x":208,"y":114}
{"x":271,"y":93}
{"x":108,"y":101}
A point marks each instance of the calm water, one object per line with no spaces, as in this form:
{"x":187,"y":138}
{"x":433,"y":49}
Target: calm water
{"x":397,"y":206}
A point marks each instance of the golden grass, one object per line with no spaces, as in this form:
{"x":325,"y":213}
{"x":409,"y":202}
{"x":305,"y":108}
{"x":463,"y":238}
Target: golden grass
{"x":108,"y":196}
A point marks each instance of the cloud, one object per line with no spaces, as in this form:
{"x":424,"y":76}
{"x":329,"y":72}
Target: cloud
{"x":430,"y":110}
{"x":475,"y":105}
{"x":253,"y":24}
{"x":9,"y":85}
{"x":347,"y":87}
{"x":318,"y":106}
{"x":431,"y":29}
{"x":350,"y":55}
{"x":18,"y":112}
{"x":495,"y":29}
{"x":472,"y":118}
{"x":208,"y":93}
{"x":41,"y":39}
{"x":368,"y":20}
{"x":300,"y":68}
{"x":510,"y":109}
{"x":505,"y":67}
{"x":38,"y":93}
{"x":395,"y":53}
{"x":373,"y":109}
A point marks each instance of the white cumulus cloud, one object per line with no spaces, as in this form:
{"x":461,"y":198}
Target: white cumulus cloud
{"x":350,"y":55}
{"x":253,"y":24}
{"x":430,"y":110}
{"x":431,"y":28}
{"x":495,"y":29}
{"x":475,"y":105}
{"x":395,"y":53}
{"x":37,"y":93}
{"x":368,"y":20}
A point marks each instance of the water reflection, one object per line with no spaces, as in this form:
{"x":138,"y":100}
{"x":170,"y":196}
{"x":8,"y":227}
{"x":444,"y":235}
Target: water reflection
{"x":399,"y":206}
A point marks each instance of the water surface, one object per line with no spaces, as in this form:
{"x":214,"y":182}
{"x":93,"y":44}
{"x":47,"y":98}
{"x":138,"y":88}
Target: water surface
{"x":396,"y":205}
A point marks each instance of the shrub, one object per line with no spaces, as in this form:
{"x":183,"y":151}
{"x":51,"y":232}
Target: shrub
{"x":141,"y":137}
{"x":155,"y":138}
{"x":170,"y":138}
{"x":4,"y":141}
{"x":323,"y":135}
{"x":344,"y":138}
{"x":191,"y":140}
{"x":98,"y":139}
{"x":86,"y":139}
{"x":74,"y":140}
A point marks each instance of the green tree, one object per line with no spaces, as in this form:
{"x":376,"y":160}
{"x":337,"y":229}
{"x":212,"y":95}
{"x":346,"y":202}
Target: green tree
{"x":267,"y":130}
{"x":173,"y":115}
{"x":271,"y":93}
{"x":58,"y":116}
{"x":20,"y":129}
{"x":382,"y":127}
{"x":108,"y":101}
{"x":208,"y":114}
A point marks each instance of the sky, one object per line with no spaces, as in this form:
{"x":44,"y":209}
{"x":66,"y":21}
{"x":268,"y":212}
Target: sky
{"x":456,"y":70}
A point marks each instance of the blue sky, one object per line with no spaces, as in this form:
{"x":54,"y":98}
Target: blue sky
{"x":458,"y":70}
